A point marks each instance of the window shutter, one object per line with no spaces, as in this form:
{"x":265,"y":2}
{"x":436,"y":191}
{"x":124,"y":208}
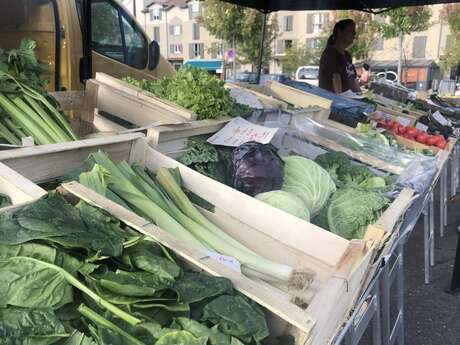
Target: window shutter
{"x":213,"y":50}
{"x":156,"y":34}
{"x":196,"y":31}
{"x":201,"y":45}
{"x":180,"y":29}
{"x":326,"y":19}
{"x":190,"y":51}
{"x":151,"y":14}
{"x":290,"y":23}
{"x":309,"y":23}
{"x":190,"y":13}
{"x":160,"y":11}
{"x":171,"y":29}
{"x":419,"y":47}
{"x":309,"y":43}
{"x":171,"y":48}
{"x":280,"y":46}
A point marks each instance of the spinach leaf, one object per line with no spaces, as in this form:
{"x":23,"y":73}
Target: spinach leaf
{"x":181,"y":338}
{"x":194,"y":287}
{"x":134,"y":284}
{"x":78,"y":338}
{"x":30,"y":283}
{"x":5,"y":200}
{"x":199,"y":330}
{"x":237,"y":317}
{"x":30,"y":326}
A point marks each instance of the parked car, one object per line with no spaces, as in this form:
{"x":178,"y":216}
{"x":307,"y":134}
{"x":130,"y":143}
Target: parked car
{"x":307,"y":74}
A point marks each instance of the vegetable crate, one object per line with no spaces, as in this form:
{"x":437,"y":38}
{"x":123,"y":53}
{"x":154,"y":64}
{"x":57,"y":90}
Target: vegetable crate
{"x":17,"y":189}
{"x":338,"y":267}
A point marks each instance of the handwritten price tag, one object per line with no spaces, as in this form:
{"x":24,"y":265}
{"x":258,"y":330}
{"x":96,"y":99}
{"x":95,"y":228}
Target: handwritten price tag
{"x":421,"y":126}
{"x":228,"y":261}
{"x":404,"y":121}
{"x":239,"y":131}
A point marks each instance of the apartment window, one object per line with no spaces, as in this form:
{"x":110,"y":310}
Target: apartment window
{"x":155,"y":14}
{"x":175,"y":30}
{"x":193,"y":9}
{"x":282,"y":45}
{"x":196,"y":50}
{"x":217,"y":50}
{"x":175,"y":48}
{"x":288,"y":23}
{"x":156,"y":33}
{"x":379,"y":44}
{"x":196,"y":31}
{"x":313,"y":43}
{"x":319,"y":22}
{"x":419,"y":47}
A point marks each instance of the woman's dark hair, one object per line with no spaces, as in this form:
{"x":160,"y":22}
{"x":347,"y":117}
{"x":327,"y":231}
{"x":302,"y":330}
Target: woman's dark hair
{"x":339,"y":26}
{"x":366,"y":66}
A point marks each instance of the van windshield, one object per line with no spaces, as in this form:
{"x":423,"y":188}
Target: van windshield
{"x":308,"y":73}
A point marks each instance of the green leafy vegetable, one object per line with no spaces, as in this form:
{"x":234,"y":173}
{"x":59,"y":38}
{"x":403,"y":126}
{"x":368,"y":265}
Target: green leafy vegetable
{"x":196,"y":90}
{"x":309,"y":181}
{"x":5,"y":200}
{"x":286,"y":201}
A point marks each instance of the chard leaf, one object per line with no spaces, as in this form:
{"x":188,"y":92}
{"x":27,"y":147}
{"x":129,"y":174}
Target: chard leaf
{"x":235,"y":316}
{"x":194,"y":287}
{"x":30,"y":326}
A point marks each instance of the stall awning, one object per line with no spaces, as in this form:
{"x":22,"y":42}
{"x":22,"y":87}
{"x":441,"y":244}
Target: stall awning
{"x":210,"y":65}
{"x":297,"y":5}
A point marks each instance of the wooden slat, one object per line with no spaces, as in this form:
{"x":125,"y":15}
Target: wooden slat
{"x":17,"y":187}
{"x":262,"y":294}
{"x":64,"y":157}
{"x":297,"y":97}
{"x":268,"y":102}
{"x":137,"y":106}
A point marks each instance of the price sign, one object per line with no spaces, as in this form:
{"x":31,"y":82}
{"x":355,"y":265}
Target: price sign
{"x":228,"y":261}
{"x":403,"y":120}
{"x":421,"y":126}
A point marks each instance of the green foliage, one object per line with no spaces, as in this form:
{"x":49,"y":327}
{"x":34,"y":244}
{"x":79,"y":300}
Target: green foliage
{"x":194,"y":89}
{"x":405,"y":20}
{"x":5,"y":200}
{"x":241,"y":25}
{"x":451,"y":56}
{"x":300,"y":55}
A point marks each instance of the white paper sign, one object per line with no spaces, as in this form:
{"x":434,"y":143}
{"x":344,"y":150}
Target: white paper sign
{"x":421,"y":126}
{"x":441,"y":119}
{"x":228,"y":261}
{"x":404,"y":121}
{"x":239,"y":131}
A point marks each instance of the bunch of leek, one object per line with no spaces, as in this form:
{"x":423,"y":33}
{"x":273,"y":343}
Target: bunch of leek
{"x":24,"y":107}
{"x":162,"y":200}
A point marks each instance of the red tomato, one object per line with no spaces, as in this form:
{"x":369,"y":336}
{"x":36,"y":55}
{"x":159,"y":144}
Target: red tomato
{"x":411,"y":132}
{"x":421,"y":138}
{"x":401,"y":129}
{"x":394,"y":128}
{"x":438,"y":138}
{"x":441,"y":144}
{"x":431,"y":140}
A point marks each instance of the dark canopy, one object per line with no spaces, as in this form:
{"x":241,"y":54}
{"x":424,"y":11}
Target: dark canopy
{"x":294,"y":5}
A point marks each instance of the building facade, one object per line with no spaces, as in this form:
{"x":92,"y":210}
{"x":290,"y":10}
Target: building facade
{"x":173,"y":24}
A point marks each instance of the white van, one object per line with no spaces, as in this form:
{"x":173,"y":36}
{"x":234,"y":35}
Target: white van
{"x":307,"y":74}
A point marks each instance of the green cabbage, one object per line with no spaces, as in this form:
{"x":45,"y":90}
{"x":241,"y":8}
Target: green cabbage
{"x":286,"y":201}
{"x":309,"y":181}
{"x":350,"y":211}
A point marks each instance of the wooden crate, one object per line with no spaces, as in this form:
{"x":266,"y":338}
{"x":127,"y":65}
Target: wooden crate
{"x":412,"y":144}
{"x":19,"y":189}
{"x":340,"y":267}
{"x":268,"y":101}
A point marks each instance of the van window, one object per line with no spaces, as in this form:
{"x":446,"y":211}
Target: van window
{"x":115,"y":35}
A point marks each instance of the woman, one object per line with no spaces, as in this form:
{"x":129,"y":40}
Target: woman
{"x":336,"y":71}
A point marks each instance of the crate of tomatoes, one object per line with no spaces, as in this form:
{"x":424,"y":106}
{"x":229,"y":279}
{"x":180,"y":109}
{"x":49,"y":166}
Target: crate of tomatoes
{"x":414,"y":138}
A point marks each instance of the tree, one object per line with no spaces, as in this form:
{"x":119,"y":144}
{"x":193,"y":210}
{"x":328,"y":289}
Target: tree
{"x":403,"y":21}
{"x":240,"y":26}
{"x":299,"y":55}
{"x":451,"y":14}
{"x":367,"y":30}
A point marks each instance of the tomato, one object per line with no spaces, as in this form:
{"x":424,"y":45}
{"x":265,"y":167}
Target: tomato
{"x":411,"y":132}
{"x":431,"y":140}
{"x":438,"y":138}
{"x":401,"y":129}
{"x":441,"y":144}
{"x":421,"y":138}
{"x":394,"y":128}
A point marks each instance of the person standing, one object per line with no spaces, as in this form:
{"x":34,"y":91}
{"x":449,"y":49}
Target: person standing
{"x":336,"y":70}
